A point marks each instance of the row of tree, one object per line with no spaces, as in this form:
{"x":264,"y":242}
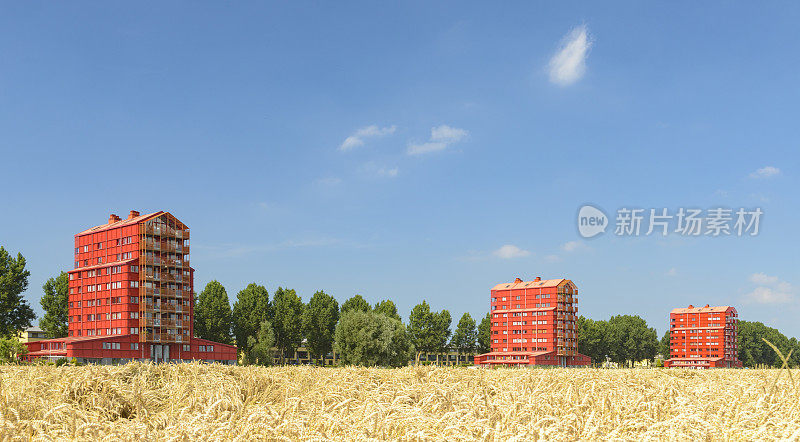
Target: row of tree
{"x":359,"y":332}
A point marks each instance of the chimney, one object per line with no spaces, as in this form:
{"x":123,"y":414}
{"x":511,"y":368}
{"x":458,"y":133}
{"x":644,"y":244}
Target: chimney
{"x":133,"y":214}
{"x":691,"y":306}
{"x":706,"y":306}
{"x":112,"y":218}
{"x":538,"y":278}
{"x":517,"y":280}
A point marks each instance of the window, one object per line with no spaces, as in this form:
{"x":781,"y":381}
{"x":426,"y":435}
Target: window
{"x":134,"y":345}
{"x":134,"y":315}
{"x":134,"y":330}
{"x":134,"y":284}
{"x":134,"y":299}
{"x":134,"y":269}
{"x":186,"y":347}
{"x":85,"y":249}
{"x":111,"y":345}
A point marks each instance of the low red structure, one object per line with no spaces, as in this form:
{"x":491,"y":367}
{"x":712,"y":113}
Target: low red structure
{"x":534,"y":323}
{"x":703,"y":337}
{"x":131,"y":296}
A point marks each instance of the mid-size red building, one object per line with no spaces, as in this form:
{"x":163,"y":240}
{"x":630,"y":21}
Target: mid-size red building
{"x":703,"y":337}
{"x":534,"y":323}
{"x":131,"y":296}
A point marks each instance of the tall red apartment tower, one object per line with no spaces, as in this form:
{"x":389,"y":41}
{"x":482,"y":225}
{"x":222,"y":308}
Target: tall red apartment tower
{"x":534,"y":323}
{"x":131,"y":296}
{"x":703,"y":337}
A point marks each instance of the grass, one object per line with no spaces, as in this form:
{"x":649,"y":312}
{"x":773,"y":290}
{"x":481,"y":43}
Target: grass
{"x":211,"y":402}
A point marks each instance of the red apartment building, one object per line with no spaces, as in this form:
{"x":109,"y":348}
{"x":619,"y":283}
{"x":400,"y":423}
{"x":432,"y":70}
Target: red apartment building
{"x":703,"y":337}
{"x":534,"y":323}
{"x":130,"y":296}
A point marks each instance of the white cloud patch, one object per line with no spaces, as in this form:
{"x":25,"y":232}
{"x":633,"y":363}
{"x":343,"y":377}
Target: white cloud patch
{"x":770,"y":290}
{"x":569,"y":63}
{"x":766,"y":172}
{"x":672,"y":272}
{"x":572,"y":246}
{"x":441,"y":137}
{"x":357,"y":139}
{"x":372,"y":169}
{"x":510,"y":251}
{"x":552,"y":258}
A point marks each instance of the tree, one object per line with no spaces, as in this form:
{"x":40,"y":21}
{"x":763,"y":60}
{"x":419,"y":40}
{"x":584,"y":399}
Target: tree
{"x":11,"y":350}
{"x":212,"y":314}
{"x":387,"y":308}
{"x":422,"y":329}
{"x":630,"y":339}
{"x":465,"y":336}
{"x":261,"y":344}
{"x":442,"y":326}
{"x":592,"y":339}
{"x":15,"y":313}
{"x":485,"y":334}
{"x":288,"y":322}
{"x":319,"y":324}
{"x":663,"y":347}
{"x":55,"y":302}
{"x":250,"y":310}
{"x":372,"y":339}
{"x":753,"y":351}
{"x":355,"y":303}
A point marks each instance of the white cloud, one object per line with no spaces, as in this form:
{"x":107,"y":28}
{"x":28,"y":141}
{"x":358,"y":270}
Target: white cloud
{"x":552,"y":258}
{"x":357,"y":139}
{"x":770,"y":290}
{"x":569,"y":64}
{"x":672,"y":272}
{"x":372,"y":169}
{"x":766,"y":172}
{"x":441,"y":137}
{"x":571,"y":246}
{"x":763,"y":279}
{"x":510,"y":251}
{"x":391,"y":173}
{"x":447,"y":134}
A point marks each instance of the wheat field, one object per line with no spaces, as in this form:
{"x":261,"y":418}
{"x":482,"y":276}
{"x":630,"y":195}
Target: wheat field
{"x":211,"y":402}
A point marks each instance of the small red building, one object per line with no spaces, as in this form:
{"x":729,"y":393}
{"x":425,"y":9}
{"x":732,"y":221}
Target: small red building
{"x":534,"y":323}
{"x":703,"y":337}
{"x":131,"y":296}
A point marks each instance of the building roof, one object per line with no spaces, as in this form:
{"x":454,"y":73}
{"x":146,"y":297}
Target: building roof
{"x":518,"y":285}
{"x":34,"y":329}
{"x":706,"y":309}
{"x":121,"y":223}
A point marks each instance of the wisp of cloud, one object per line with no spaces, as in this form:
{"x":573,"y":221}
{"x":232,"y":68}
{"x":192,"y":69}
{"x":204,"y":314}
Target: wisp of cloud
{"x":569,"y":64}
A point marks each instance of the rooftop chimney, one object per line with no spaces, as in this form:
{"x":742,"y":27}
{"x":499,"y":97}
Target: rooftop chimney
{"x":517,"y":280}
{"x":112,"y":218}
{"x":691,"y":306}
{"x":133,"y":214}
{"x":538,"y":278}
{"x":706,"y":306}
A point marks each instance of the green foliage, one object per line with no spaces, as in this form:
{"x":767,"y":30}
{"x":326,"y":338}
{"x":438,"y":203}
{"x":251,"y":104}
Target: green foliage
{"x":11,"y":350}
{"x":429,"y":331}
{"x":623,"y":338}
{"x":663,"y":346}
{"x":212,"y":314}
{"x":288,"y":321}
{"x":465,"y":335}
{"x":319,"y":324}
{"x":15,"y":313}
{"x":372,"y":339}
{"x":261,"y":345}
{"x":356,"y":303}
{"x":55,"y":302}
{"x":485,"y":334}
{"x":387,"y":308}
{"x":754,"y":351}
{"x":252,"y":307}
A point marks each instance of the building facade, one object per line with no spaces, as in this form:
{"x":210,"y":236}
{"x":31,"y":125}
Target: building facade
{"x":131,"y":296}
{"x":534,"y":323}
{"x":32,"y":334}
{"x":703,"y":337}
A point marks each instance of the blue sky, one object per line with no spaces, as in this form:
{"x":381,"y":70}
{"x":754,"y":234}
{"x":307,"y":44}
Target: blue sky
{"x":420,"y":150}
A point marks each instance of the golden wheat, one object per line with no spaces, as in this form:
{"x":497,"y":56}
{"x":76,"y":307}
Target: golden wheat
{"x":197,"y":401}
